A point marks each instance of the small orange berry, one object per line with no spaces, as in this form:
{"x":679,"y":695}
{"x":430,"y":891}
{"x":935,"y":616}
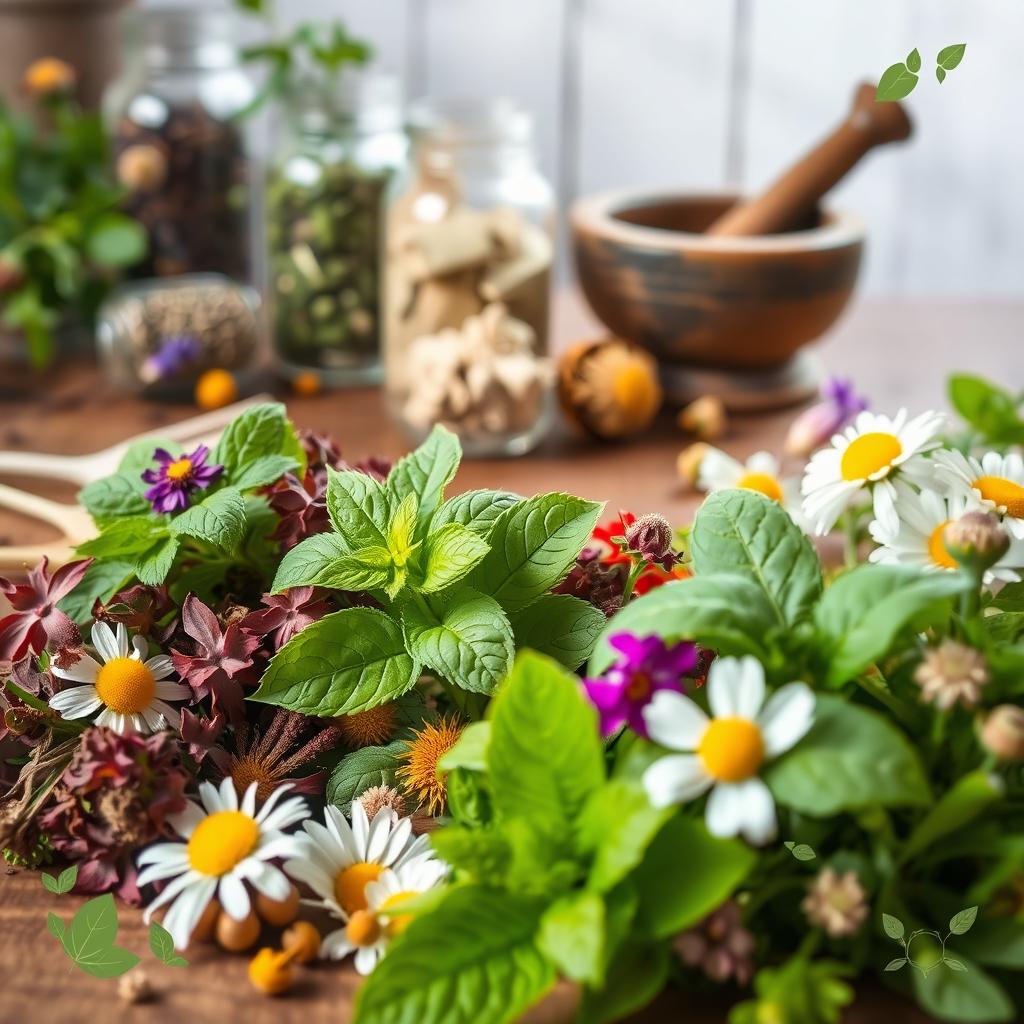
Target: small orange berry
{"x":48,"y":75}
{"x":238,"y":936}
{"x":302,"y":940}
{"x":271,"y":972}
{"x":216,"y":388}
{"x":278,"y":912}
{"x":306,"y":384}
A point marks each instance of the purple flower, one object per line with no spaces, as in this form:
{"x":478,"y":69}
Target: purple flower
{"x":174,"y":355}
{"x":816,"y":425}
{"x":175,"y":478}
{"x":646,"y":666}
{"x":839,"y":393}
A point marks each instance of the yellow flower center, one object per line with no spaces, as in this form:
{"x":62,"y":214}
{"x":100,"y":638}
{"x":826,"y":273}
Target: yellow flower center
{"x":179,"y":469}
{"x":397,"y":923}
{"x":350,"y":885}
{"x":763,"y":483}
{"x":937,"y":548}
{"x":1003,"y":493}
{"x":221,"y":841}
{"x":363,"y":928}
{"x":731,"y":749}
{"x":125,"y":685}
{"x":868,"y":454}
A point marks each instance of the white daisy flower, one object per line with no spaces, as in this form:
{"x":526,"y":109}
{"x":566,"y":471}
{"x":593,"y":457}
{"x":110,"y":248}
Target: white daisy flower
{"x":131,"y":689}
{"x":995,"y":482}
{"x":227,"y":845}
{"x":368,"y":932}
{"x":761,"y":472}
{"x":917,"y":540}
{"x":866,"y":456}
{"x":726,"y":752}
{"x":338,"y":860}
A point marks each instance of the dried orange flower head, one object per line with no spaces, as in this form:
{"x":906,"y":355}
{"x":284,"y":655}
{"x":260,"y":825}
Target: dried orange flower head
{"x":48,"y":76}
{"x":271,"y":972}
{"x":419,"y":774}
{"x":302,"y":940}
{"x":370,"y":728}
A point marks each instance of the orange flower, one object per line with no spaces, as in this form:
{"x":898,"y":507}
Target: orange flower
{"x":48,"y":76}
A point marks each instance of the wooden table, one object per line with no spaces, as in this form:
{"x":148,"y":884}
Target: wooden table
{"x":898,"y":352}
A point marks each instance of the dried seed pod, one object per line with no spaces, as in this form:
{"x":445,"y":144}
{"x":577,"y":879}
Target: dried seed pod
{"x":609,"y":387}
{"x":278,"y":912}
{"x":204,"y":929}
{"x":238,"y":936}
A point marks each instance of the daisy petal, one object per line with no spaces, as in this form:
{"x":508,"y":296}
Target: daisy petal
{"x":736,"y":687}
{"x":336,"y":946}
{"x":675,"y":779}
{"x":675,"y":721}
{"x":234,"y":898}
{"x":757,"y":814}
{"x":84,"y":670}
{"x":366,"y":959}
{"x":786,"y":717}
{"x":104,"y":641}
{"x":76,"y":702}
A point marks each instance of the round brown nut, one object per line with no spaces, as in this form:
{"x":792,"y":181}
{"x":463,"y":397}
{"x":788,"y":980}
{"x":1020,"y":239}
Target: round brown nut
{"x":278,"y":912}
{"x":238,"y":936}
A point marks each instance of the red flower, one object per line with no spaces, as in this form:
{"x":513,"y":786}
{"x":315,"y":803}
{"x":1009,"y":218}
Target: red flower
{"x":220,"y":656}
{"x":287,"y":614}
{"x":36,"y":618}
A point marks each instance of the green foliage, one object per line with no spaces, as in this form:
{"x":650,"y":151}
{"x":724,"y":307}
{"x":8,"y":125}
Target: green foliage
{"x":561,"y":626}
{"x":989,"y":410}
{"x":361,"y":770}
{"x":62,"y":883}
{"x":90,"y":940}
{"x":897,"y":82}
{"x":161,"y":945}
{"x":801,"y":991}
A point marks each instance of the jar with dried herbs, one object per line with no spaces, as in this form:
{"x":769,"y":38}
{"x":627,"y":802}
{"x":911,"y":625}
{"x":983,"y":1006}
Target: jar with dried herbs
{"x":325,"y":208}
{"x":181,"y":152}
{"x":467,"y":282}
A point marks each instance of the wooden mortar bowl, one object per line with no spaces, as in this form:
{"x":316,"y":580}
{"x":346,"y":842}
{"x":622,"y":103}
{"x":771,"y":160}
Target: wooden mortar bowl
{"x":719,"y":302}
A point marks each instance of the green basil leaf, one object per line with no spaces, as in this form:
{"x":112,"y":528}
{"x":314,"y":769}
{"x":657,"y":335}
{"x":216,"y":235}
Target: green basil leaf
{"x":475,"y":950}
{"x":402,"y":529}
{"x":309,"y":563}
{"x":572,"y":936}
{"x":451,"y":554}
{"x":153,"y":567}
{"x":533,"y":546}
{"x":561,"y":626}
{"x":346,"y":662}
{"x":476,"y":510}
{"x":463,"y":636}
{"x":139,"y":456}
{"x":480,"y":854}
{"x":545,"y":757}
{"x":359,"y":509}
{"x":366,"y":569}
{"x":93,"y":927}
{"x":113,"y":496}
{"x":218,"y":520}
{"x":361,"y":770}
{"x":258,"y":432}
{"x":949,"y":57}
{"x":426,"y":472}
{"x":161,"y":945}
{"x":852,"y":758}
{"x":263,"y":471}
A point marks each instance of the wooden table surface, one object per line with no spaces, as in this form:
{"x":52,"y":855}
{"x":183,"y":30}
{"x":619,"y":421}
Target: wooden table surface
{"x":898,"y":353}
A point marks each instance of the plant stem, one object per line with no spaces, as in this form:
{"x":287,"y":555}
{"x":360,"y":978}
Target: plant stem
{"x":850,"y":541}
{"x":634,"y":574}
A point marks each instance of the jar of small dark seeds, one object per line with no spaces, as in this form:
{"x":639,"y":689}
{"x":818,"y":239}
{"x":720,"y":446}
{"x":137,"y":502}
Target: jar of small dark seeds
{"x":325,"y":207}
{"x":180,"y":150}
{"x":158,"y":337}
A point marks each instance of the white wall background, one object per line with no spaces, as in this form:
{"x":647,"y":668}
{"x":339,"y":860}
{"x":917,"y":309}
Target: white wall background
{"x":707,"y":93}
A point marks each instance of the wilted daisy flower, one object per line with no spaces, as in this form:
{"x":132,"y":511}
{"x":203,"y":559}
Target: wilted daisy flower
{"x":726,"y":752}
{"x":994,"y":482}
{"x":131,"y":689}
{"x":761,"y":473}
{"x":918,"y":538}
{"x":368,"y":932}
{"x":837,"y":903}
{"x":866,"y":456}
{"x":226,"y":845}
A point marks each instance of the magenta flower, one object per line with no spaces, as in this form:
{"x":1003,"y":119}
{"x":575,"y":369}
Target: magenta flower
{"x":646,"y":666}
{"x":175,"y":478}
{"x":36,"y":618}
{"x":287,"y":614}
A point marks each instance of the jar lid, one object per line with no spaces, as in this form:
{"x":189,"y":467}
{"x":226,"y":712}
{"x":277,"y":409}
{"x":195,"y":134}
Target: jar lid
{"x":184,"y":36}
{"x":455,"y":121}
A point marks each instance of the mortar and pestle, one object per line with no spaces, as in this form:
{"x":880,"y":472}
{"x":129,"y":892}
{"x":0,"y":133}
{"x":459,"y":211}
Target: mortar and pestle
{"x":725,"y":292}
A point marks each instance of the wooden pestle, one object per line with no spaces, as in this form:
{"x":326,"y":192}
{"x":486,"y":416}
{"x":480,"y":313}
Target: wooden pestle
{"x":792,"y":197}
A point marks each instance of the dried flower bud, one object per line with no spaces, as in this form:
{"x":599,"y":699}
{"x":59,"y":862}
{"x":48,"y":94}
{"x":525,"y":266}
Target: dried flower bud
{"x":705,"y":417}
{"x":952,"y":673}
{"x":689,"y":460}
{"x":48,"y":76}
{"x":302,"y":940}
{"x":976,"y":540}
{"x":135,"y":987}
{"x":278,"y":912}
{"x":142,"y":168}
{"x":651,"y":535}
{"x":1003,"y":732}
{"x":812,"y":429}
{"x":271,"y":972}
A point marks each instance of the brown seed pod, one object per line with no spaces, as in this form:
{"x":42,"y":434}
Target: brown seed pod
{"x":278,"y":912}
{"x":238,"y":936}
{"x":303,"y":940}
{"x":609,"y":387}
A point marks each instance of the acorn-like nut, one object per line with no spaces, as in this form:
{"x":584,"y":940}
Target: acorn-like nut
{"x":142,"y":168}
{"x":204,"y":929}
{"x":609,"y":388}
{"x":303,"y":940}
{"x":704,"y":417}
{"x":278,"y":912}
{"x":271,"y":972}
{"x":688,"y":462}
{"x":238,"y":936}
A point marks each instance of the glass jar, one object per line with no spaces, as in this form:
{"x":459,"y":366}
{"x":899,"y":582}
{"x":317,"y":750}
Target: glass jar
{"x":181,"y":151}
{"x":467,"y":279}
{"x":325,"y":212}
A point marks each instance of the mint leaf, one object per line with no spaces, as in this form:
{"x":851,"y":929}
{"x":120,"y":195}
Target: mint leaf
{"x":309,"y":563}
{"x":560,"y":626}
{"x":949,"y":57}
{"x":479,"y":854}
{"x":451,"y":553}
{"x":572,"y":936}
{"x":476,"y":510}
{"x":49,"y":883}
{"x":402,"y":529}
{"x":962,"y":923}
{"x":218,"y":520}
{"x":533,"y":546}
{"x":463,"y":636}
{"x":257,"y":433}
{"x":359,"y":509}
{"x":636,"y":974}
{"x":893,"y":927}
{"x":263,"y":471}
{"x":426,"y":472}
{"x":745,"y":533}
{"x":113,"y":496}
{"x":474,"y":951}
{"x":131,"y":535}
{"x":346,"y":662}
{"x":914,"y":60}
{"x":66,"y":880}
{"x":897,"y":82}
{"x":102,"y":580}
{"x":359,"y":771}
{"x":161,"y":945}
{"x":852,"y":759}
{"x":545,"y":757}
{"x":470,"y":751}
{"x":366,"y":569}
{"x":153,"y":567}
{"x":89,"y":941}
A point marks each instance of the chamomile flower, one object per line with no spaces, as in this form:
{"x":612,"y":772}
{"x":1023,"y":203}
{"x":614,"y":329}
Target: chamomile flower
{"x":368,"y":932}
{"x":995,"y":482}
{"x":132,"y":690}
{"x":761,"y":473}
{"x":867,"y":456}
{"x":918,"y":538}
{"x":227,"y":844}
{"x":338,"y":860}
{"x":726,"y":752}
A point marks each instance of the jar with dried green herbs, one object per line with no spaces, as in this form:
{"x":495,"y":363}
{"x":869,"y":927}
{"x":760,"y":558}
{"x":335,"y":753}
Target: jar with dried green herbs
{"x":325,"y":206}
